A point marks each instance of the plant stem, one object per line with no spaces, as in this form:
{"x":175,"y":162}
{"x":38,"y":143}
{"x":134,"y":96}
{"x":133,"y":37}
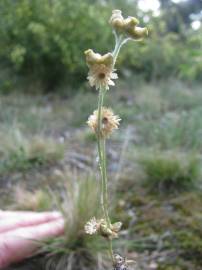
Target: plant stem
{"x":111,"y":253}
{"x":119,"y":42}
{"x":100,"y":152}
{"x":103,"y":167}
{"x":102,"y":147}
{"x":102,"y":159}
{"x":105,"y":182}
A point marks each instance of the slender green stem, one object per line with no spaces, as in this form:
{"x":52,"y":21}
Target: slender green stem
{"x":111,"y":253}
{"x":105,"y":194}
{"x":105,"y":182}
{"x":100,"y":154}
{"x":102,"y":158}
{"x":119,"y":42}
{"x":103,"y":167}
{"x":102,"y":148}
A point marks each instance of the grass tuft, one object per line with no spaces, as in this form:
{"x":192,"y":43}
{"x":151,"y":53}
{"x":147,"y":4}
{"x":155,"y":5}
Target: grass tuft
{"x":170,"y":171}
{"x":21,"y":153}
{"x":79,"y":203}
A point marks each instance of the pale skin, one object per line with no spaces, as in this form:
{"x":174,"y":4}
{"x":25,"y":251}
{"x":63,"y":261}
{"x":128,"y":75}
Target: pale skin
{"x":21,"y":232}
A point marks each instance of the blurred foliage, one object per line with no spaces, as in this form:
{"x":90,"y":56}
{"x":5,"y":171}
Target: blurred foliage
{"x":38,"y":200}
{"x":170,"y":171}
{"x":166,"y":54}
{"x":43,"y":42}
{"x":191,"y":67}
{"x":20,"y":153}
{"x":179,"y":13}
{"x":46,"y":39}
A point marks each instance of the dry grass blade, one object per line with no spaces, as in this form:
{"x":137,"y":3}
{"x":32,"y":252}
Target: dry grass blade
{"x":79,"y":201}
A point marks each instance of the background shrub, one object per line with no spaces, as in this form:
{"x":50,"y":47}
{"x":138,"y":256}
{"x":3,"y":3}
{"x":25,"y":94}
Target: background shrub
{"x":43,"y":42}
{"x":46,"y":39}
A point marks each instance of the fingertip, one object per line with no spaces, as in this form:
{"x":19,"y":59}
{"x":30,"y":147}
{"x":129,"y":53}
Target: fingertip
{"x":56,"y":214}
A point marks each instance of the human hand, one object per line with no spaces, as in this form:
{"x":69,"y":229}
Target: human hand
{"x":20,"y":233}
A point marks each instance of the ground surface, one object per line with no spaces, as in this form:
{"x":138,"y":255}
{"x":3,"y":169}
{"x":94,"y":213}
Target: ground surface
{"x":154,"y":163}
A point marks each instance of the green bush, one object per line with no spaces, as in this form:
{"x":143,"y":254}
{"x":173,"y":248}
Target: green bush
{"x":158,"y":57}
{"x":192,"y":67}
{"x":42,"y":42}
{"x":166,"y":54}
{"x":170,"y":171}
{"x":46,"y":39}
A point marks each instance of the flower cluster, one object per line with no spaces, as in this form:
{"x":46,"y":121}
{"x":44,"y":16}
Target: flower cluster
{"x":127,"y":26}
{"x":92,"y":226}
{"x":101,"y":73}
{"x":109,"y":122}
{"x":99,"y":226}
{"x":101,"y":67}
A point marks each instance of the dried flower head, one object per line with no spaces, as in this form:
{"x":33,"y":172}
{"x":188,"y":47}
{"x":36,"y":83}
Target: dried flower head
{"x":109,"y":232}
{"x":96,"y":58}
{"x":127,"y":26}
{"x":109,"y":122}
{"x":106,"y":232}
{"x":92,"y":226}
{"x":117,"y":20}
{"x":100,"y":227}
{"x":101,"y":72}
{"x":116,"y":227}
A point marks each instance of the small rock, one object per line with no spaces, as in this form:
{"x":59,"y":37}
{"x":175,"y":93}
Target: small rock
{"x":153,"y":265}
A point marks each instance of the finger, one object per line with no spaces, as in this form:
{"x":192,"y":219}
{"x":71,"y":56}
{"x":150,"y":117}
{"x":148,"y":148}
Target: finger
{"x":11,"y":214}
{"x":17,"y":245}
{"x":13,"y":222}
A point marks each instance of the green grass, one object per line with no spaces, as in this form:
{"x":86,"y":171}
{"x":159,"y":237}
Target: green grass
{"x":182,"y":129}
{"x":170,"y":171}
{"x":21,"y":153}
